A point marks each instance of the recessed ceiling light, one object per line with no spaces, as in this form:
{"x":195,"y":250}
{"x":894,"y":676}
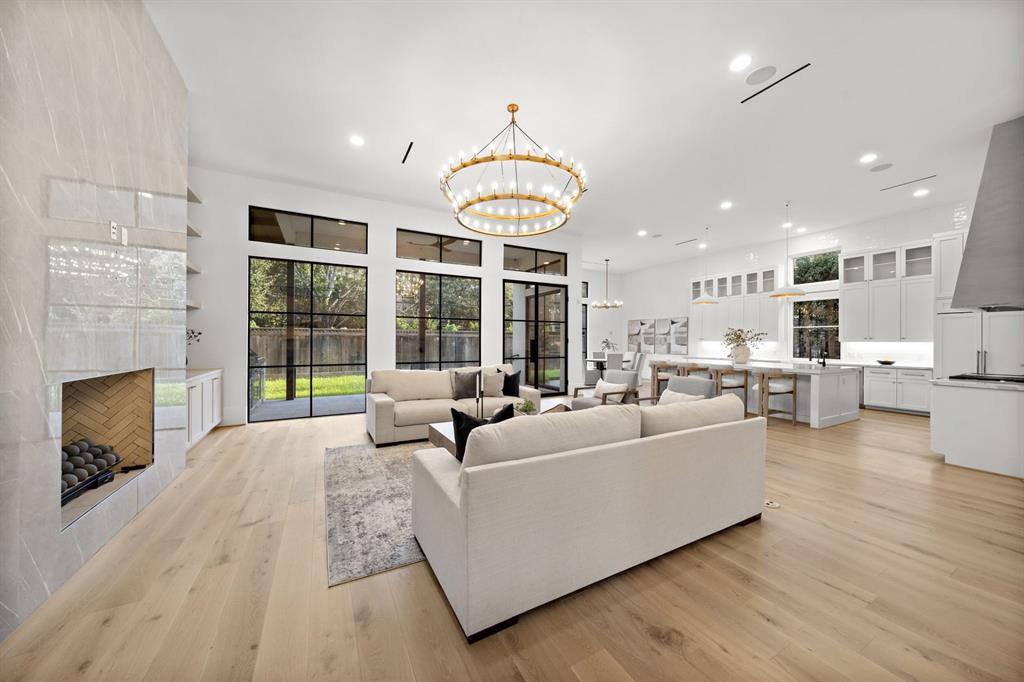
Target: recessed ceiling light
{"x":869,"y":157}
{"x":762,"y":75}
{"x":787,"y":225}
{"x":881,"y":167}
{"x":702,"y":245}
{"x":641,"y":233}
{"x":739,"y":62}
{"x":725,"y":205}
{"x":921,"y":192}
{"x":801,"y":230}
{"x":357,"y":140}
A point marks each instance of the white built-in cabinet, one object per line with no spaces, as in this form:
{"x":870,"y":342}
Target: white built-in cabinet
{"x":742,"y":303}
{"x":948,"y":249}
{"x":970,"y":342}
{"x":886,"y":295}
{"x":205,"y":400}
{"x":898,"y":389}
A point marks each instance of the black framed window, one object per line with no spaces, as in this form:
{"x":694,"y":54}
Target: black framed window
{"x":299,"y":229}
{"x":536,"y":333}
{"x":585,"y":324}
{"x":816,"y":328}
{"x":437,"y":321}
{"x":586,"y":290}
{"x":523,"y":259}
{"x":307,"y":339}
{"x":437,"y":248}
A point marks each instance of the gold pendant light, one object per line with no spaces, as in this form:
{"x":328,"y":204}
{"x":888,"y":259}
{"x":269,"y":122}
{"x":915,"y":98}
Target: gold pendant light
{"x":787,"y":290}
{"x":512,"y":186}
{"x":705,"y":298}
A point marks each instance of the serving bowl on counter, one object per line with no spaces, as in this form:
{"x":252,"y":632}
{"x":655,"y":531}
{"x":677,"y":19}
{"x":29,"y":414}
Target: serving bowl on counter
{"x":886,"y":362}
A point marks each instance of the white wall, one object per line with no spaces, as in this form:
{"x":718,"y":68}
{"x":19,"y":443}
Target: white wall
{"x":664,"y":290}
{"x":223,"y":252}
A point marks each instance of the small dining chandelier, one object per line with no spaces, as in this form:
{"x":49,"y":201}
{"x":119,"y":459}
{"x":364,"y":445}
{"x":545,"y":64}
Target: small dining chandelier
{"x":787,"y":290}
{"x":512,"y":186}
{"x":606,"y":304}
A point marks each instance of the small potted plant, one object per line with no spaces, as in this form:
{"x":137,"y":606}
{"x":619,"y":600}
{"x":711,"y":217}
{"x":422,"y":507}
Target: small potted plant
{"x":740,"y":341}
{"x":526,"y":407}
{"x":607,"y":344}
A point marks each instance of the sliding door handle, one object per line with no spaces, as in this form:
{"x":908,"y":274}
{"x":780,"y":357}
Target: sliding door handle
{"x":984,"y":362}
{"x":977,"y":362}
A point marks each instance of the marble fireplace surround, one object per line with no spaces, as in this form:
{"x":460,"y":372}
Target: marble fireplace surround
{"x":93,"y":129}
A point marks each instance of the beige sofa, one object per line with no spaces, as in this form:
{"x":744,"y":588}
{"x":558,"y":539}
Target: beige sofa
{"x":400,"y":403}
{"x":509,"y":529}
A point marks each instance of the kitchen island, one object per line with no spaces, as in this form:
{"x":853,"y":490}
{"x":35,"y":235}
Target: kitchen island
{"x":979,"y":424}
{"x":825,"y":395}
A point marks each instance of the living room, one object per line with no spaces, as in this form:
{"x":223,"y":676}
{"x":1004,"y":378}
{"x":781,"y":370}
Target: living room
{"x":583,"y":341}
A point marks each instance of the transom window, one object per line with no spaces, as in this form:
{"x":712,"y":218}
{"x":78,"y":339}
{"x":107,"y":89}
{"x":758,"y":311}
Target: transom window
{"x":437,"y":248}
{"x":299,"y":229}
{"x":437,"y":324}
{"x":816,"y":267}
{"x":522,"y":259}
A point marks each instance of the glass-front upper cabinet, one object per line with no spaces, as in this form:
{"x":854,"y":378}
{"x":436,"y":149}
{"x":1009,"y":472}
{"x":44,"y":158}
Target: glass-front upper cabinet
{"x":695,"y":290}
{"x":883,"y":265}
{"x":736,"y":285}
{"x":768,"y":281}
{"x":709,"y":287}
{"x":723,"y":287}
{"x":917,"y":261}
{"x":751,"y":283}
{"x":854,"y":269}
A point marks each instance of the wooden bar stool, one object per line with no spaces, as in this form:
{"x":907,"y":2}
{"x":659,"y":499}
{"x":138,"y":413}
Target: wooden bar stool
{"x":695,"y":369}
{"x":774,"y":382}
{"x":657,"y":376}
{"x":734,"y":379}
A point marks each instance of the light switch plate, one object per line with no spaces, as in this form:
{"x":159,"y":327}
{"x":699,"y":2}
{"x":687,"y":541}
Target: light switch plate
{"x":113,"y":230}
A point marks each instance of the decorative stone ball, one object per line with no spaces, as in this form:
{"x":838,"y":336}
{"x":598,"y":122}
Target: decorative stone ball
{"x":107,"y":457}
{"x":71,"y":449}
{"x":82,"y":474}
{"x":66,"y":467}
{"x":89,"y":441}
{"x":70,"y":479}
{"x":96,"y":450}
{"x":105,"y":448}
{"x":91,"y":468}
{"x":63,"y":485}
{"x":77,"y":461}
{"x":87,"y":456}
{"x":83,"y":445}
{"x":63,"y":456}
{"x":100,"y":463}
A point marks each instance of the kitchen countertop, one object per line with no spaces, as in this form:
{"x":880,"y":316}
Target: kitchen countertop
{"x":193,"y":374}
{"x":872,"y":363}
{"x":799,"y":364}
{"x":755,"y":365}
{"x":970,"y":383}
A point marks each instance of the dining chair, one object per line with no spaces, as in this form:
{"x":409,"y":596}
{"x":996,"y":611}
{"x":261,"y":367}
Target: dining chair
{"x":614,"y":361}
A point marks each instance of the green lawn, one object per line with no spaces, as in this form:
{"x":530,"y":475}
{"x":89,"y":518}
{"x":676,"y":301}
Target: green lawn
{"x":169,"y":394}
{"x":274,"y":389}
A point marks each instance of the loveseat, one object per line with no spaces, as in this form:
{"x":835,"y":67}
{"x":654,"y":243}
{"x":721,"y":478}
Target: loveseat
{"x":542,"y":506}
{"x":401,"y":403}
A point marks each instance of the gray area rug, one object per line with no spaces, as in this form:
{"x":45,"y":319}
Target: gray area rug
{"x":368,"y":494}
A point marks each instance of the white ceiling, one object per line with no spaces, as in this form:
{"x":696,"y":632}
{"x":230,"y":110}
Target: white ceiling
{"x":640,"y":93}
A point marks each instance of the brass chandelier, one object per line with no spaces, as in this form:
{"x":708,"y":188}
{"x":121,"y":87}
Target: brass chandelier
{"x":607,"y":303}
{"x":512,"y":186}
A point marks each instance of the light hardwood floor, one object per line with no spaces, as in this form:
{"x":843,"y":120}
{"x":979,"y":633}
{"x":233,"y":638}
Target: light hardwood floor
{"x":881,"y":564}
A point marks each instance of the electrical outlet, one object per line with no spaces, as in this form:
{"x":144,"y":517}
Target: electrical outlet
{"x":124,"y":236}
{"x":113,"y":230}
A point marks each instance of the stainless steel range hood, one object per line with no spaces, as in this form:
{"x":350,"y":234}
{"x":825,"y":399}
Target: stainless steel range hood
{"x":992,"y":271}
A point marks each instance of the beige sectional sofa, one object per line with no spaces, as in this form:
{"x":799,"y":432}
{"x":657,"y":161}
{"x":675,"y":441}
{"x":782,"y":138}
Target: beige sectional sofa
{"x":400,"y":403}
{"x":542,"y":506}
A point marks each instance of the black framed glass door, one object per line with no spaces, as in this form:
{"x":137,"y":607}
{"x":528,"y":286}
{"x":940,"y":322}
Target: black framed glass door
{"x":536,"y":334}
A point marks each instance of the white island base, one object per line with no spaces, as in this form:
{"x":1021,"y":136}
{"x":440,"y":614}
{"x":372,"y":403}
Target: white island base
{"x":823,"y":398}
{"x":979,"y":425}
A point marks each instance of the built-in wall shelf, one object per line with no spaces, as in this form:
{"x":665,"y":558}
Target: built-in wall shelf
{"x":192,"y":232}
{"x":193,"y":198}
{"x":192,"y":268}
{"x":192,"y":305}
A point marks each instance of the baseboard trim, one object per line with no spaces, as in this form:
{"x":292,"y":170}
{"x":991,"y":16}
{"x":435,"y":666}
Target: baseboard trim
{"x":487,"y":632}
{"x":755,"y":517}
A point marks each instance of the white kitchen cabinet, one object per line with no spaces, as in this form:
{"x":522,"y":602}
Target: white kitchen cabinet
{"x":916,"y":260}
{"x":913,"y":390}
{"x":884,"y":296}
{"x":713,"y":322}
{"x":884,"y":265}
{"x":854,"y":312}
{"x":769,"y":317}
{"x":752,"y":312}
{"x":854,"y":269}
{"x":204,"y":395}
{"x":1002,"y":342}
{"x":880,"y":387}
{"x":734,"y":308}
{"x":916,"y":309}
{"x":957,"y":344}
{"x":947,"y":251}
